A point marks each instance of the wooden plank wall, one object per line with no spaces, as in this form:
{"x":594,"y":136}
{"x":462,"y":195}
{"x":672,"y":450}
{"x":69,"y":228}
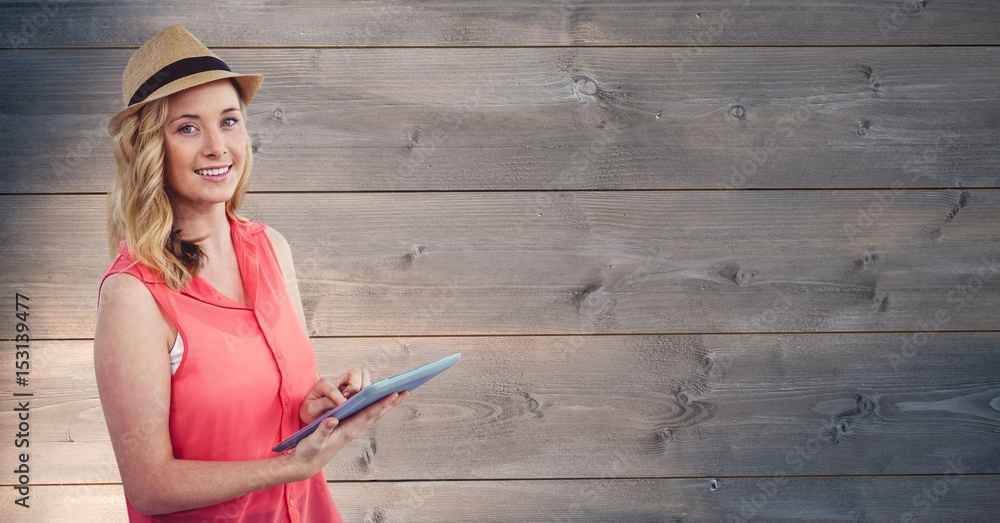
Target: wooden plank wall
{"x":706,"y":260}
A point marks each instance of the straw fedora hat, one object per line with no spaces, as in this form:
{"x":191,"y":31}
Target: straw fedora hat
{"x":170,"y":62}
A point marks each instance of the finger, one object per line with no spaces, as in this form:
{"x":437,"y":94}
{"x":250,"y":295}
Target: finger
{"x":326,"y":428}
{"x":351,"y":382}
{"x":366,"y":378}
{"x":330,"y":391}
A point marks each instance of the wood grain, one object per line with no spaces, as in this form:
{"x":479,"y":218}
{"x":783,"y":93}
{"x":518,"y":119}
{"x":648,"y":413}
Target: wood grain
{"x":573,"y":263}
{"x":706,"y":261}
{"x":611,"y":407}
{"x":511,"y":23}
{"x":547,"y":119}
{"x":946,"y":497}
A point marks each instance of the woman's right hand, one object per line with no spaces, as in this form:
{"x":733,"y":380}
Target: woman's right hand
{"x":318,"y":448}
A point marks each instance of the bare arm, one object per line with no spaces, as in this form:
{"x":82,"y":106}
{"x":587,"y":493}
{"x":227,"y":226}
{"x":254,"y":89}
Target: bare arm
{"x":130,"y":355}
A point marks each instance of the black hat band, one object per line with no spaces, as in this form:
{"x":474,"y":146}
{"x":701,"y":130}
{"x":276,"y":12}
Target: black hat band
{"x":176,"y":71}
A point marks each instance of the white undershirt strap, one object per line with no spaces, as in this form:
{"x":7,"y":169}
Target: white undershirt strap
{"x":176,"y":352}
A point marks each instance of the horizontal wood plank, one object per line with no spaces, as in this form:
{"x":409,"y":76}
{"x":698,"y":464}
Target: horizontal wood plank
{"x":511,"y":23}
{"x":572,"y":263}
{"x":609,"y":407}
{"x":546,"y":119}
{"x":945,"y":497}
{"x":568,"y":193}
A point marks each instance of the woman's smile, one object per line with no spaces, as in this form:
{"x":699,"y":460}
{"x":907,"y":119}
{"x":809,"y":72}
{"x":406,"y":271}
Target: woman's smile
{"x":215,"y":173}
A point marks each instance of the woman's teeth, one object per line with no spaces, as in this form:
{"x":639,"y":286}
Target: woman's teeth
{"x":213,"y":172}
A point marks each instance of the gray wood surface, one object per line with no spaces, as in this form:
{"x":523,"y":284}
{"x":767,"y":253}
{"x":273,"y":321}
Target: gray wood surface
{"x":570,"y":263}
{"x":555,"y":407}
{"x":510,"y":23}
{"x":546,"y":119}
{"x":944,"y":497}
{"x":719,"y":260}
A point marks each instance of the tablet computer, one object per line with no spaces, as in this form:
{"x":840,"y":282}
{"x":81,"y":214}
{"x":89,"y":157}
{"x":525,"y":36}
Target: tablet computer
{"x":408,"y":380}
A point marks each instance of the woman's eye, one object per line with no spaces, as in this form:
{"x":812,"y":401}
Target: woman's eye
{"x":231,"y":121}
{"x":186,"y":129}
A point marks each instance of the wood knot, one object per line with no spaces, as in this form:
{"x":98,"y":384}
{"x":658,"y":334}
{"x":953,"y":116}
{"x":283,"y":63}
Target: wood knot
{"x":738,"y":111}
{"x":416,"y":252}
{"x":867,"y":259}
{"x":744,"y":277}
{"x":873,"y":83}
{"x":584,"y":85}
{"x":378,"y":515}
{"x":368,"y":456}
{"x":865,"y":405}
{"x":963,"y":201}
{"x":277,"y":113}
{"x":863,"y":128}
{"x":413,"y":139}
{"x":881,"y":301}
{"x":589,"y":297}
{"x":682,"y":398}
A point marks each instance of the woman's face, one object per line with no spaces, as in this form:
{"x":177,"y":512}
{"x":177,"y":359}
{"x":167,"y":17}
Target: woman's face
{"x":204,"y":141}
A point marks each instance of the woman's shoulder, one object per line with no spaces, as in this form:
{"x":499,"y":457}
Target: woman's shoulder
{"x":279,"y":245}
{"x":125,"y":263}
{"x":250,"y":228}
{"x":281,"y":249}
{"x":125,"y":292}
{"x":129,"y":318}
{"x":123,"y":285}
{"x":277,"y":240}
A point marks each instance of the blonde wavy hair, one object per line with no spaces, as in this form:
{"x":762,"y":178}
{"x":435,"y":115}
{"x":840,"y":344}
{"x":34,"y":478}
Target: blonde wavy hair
{"x":138,"y":207}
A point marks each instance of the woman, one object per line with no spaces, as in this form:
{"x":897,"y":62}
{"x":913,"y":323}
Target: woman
{"x":201,"y":354}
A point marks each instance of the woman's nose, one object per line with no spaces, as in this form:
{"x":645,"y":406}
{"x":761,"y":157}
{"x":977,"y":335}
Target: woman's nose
{"x":214,"y":145}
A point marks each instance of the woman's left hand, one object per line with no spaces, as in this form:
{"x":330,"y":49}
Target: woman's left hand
{"x":327,"y":394}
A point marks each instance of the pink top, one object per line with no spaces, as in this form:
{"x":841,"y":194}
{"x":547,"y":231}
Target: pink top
{"x":241,"y":382}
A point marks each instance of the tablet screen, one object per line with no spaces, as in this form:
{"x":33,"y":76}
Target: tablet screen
{"x":408,"y":380}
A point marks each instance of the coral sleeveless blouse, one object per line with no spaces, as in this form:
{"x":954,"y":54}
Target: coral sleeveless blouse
{"x":241,"y":382}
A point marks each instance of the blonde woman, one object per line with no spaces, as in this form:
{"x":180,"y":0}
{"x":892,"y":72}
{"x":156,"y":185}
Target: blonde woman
{"x":202,"y":358}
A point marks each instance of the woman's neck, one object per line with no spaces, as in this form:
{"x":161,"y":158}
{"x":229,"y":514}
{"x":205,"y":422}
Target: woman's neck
{"x":211,"y":228}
